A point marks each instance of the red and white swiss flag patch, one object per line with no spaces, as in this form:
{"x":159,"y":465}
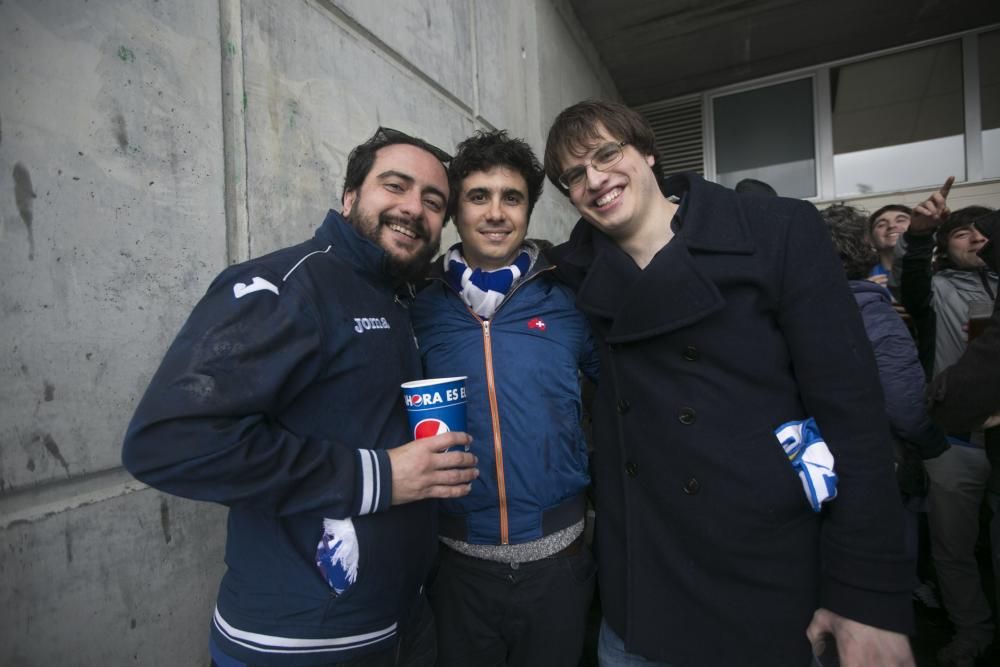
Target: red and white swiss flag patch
{"x":536,"y":323}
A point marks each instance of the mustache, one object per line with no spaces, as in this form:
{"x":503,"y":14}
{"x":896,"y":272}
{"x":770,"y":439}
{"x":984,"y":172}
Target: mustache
{"x":415,"y":225}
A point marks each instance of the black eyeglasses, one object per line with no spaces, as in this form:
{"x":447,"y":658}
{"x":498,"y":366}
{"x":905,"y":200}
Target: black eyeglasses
{"x":387,"y":135}
{"x":605,"y":157}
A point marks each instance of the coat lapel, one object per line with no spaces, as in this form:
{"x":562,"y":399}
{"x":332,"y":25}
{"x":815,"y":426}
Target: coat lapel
{"x":669,"y":294}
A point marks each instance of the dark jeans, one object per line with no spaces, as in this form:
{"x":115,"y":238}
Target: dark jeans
{"x":491,"y":614}
{"x":416,"y":646}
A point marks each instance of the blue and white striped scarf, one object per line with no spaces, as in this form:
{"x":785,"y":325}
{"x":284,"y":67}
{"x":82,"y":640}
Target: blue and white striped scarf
{"x":484,"y":291}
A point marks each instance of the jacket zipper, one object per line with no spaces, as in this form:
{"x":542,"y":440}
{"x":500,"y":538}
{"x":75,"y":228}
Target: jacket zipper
{"x":497,"y":442}
{"x":494,"y":409}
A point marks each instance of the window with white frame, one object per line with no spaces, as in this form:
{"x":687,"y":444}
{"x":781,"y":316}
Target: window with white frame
{"x":899,"y":120}
{"x":989,"y":100}
{"x":767,"y":134}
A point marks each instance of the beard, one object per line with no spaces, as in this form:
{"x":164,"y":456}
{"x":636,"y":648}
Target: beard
{"x":407,"y":268}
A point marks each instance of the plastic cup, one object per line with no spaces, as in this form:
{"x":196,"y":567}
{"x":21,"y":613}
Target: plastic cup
{"x":435,"y":406}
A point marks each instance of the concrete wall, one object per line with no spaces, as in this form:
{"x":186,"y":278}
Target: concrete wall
{"x":146,"y":145}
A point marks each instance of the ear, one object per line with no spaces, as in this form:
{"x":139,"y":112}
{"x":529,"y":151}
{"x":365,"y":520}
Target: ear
{"x":348,"y":202}
{"x":650,"y":160}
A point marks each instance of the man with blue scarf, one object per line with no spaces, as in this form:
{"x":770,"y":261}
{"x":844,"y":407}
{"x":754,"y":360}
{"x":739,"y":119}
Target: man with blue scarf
{"x":515,"y":577}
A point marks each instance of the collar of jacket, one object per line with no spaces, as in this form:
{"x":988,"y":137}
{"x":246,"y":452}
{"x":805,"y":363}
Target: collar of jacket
{"x":672,"y":291}
{"x":363,"y":255}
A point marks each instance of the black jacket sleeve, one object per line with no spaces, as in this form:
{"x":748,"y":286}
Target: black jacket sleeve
{"x":913,"y":257}
{"x":866,"y":574}
{"x":209,"y":426}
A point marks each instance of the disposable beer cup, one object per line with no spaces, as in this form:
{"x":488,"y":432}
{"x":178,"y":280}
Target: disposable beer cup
{"x":979,"y":317}
{"x":435,"y":406}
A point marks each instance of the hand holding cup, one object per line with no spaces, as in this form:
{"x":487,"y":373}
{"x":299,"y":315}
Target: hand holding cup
{"x":436,"y":464}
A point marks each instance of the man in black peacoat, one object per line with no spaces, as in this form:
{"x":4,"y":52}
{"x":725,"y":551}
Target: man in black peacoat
{"x":721,"y":317}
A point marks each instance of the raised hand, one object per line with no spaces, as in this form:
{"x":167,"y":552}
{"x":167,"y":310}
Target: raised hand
{"x":930,"y":213}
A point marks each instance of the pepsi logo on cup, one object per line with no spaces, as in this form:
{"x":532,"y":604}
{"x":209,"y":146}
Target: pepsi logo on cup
{"x":435,"y":406}
{"x":428,"y":428}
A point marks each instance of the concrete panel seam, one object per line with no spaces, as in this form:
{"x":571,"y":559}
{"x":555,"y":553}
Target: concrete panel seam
{"x":234,"y":102}
{"x":40,"y":502}
{"x":351,"y":25}
{"x":484,"y":124}
{"x":474,"y":37}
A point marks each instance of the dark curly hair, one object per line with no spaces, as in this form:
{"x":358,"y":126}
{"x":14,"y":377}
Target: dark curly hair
{"x":960,"y":219}
{"x":575,"y":132}
{"x":848,"y":227}
{"x":488,"y":149}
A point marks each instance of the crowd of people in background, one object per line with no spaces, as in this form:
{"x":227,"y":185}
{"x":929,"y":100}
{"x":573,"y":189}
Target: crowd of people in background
{"x":939,"y":269}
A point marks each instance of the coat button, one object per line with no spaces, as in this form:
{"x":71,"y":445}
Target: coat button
{"x":686,"y":415}
{"x":690,"y":353}
{"x":623,"y":406}
{"x":692,"y":486}
{"x":632,"y":469}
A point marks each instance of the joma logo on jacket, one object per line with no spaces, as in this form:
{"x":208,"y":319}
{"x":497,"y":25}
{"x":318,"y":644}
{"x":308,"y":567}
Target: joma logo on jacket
{"x":362,"y":324}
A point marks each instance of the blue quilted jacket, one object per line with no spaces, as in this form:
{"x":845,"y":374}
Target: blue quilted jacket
{"x":899,"y":370}
{"x":524,"y":406}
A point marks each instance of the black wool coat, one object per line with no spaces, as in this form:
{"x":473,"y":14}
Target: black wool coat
{"x":708,"y":551}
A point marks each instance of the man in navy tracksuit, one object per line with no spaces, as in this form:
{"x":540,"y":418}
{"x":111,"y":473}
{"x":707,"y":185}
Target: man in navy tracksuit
{"x":515,"y":578}
{"x":280,"y":398}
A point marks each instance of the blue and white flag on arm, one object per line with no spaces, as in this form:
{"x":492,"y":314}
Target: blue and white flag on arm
{"x":811,"y":458}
